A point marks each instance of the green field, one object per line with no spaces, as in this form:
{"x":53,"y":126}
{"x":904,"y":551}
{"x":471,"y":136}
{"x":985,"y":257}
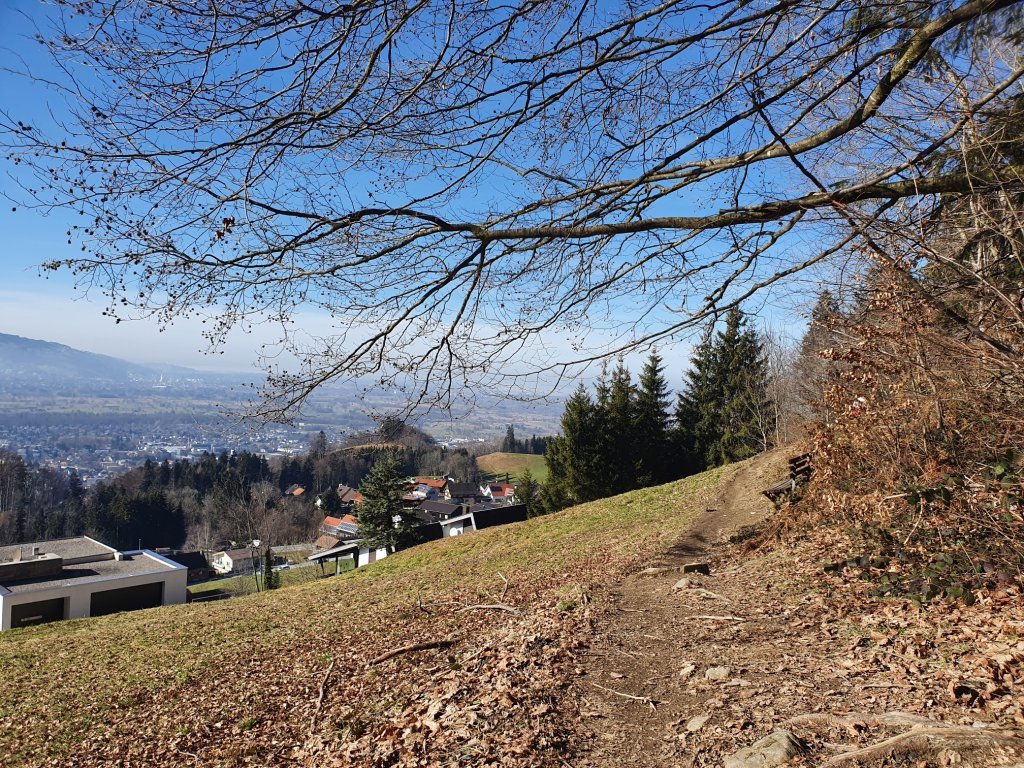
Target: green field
{"x":496,"y":465}
{"x":210,"y":683}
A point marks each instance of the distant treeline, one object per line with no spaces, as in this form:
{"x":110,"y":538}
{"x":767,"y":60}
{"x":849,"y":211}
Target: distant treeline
{"x":535,"y":445}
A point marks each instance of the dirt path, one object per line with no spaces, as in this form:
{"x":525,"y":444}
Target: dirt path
{"x":684,"y":673}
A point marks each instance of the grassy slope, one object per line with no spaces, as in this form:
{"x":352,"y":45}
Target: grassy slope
{"x":208,"y":680}
{"x":514,"y":464}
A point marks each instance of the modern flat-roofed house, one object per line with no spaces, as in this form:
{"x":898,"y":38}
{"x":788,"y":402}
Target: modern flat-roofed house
{"x":80,"y":577}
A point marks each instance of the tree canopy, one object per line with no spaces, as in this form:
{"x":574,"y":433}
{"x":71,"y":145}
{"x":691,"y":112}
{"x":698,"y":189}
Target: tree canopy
{"x":457,"y":182}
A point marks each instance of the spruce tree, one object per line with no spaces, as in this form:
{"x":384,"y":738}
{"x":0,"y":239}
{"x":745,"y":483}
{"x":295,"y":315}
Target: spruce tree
{"x":696,"y":414}
{"x":508,"y":445}
{"x":576,"y":461}
{"x":812,"y":370}
{"x":720,"y":416}
{"x":742,"y":378}
{"x":271,"y":578}
{"x":650,"y":429}
{"x":527,"y":491}
{"x":619,"y":452}
{"x":383,"y":519}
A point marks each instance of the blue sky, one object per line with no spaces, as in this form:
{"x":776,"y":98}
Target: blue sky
{"x":51,"y":307}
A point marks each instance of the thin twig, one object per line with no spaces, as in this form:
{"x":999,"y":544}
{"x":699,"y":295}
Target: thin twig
{"x":643,"y":699}
{"x":719,"y":618}
{"x":503,"y":591}
{"x":426,"y":646}
{"x":490,"y":607}
{"x":320,"y":698}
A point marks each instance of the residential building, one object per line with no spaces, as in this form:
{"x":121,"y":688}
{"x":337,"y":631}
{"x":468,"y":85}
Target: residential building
{"x":81,"y":577}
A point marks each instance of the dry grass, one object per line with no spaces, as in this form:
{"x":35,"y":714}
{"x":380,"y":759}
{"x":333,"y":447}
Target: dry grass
{"x":163,"y":677}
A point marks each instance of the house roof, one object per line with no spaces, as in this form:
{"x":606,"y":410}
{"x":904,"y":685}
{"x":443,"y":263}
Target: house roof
{"x":431,"y":482}
{"x":326,"y":542}
{"x":190,"y":560}
{"x":333,"y":522}
{"x":133,"y":564}
{"x":335,"y":551}
{"x":463,"y":489}
{"x":69,"y":549}
{"x":440,"y":507}
{"x":502,"y":489}
{"x":241,"y":554}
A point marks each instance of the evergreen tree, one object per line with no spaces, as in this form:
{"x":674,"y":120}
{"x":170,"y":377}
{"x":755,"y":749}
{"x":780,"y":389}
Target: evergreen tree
{"x":696,"y":408}
{"x":742,"y":369}
{"x":812,"y":370}
{"x":271,"y":578}
{"x":720,"y":415}
{"x":619,"y":453}
{"x":527,"y":493}
{"x":650,"y":430}
{"x":383,"y":520}
{"x":577,"y":468}
{"x":508,"y":445}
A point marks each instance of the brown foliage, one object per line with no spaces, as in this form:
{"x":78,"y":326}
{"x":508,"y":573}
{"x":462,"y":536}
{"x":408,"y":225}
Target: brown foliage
{"x":922,"y":451}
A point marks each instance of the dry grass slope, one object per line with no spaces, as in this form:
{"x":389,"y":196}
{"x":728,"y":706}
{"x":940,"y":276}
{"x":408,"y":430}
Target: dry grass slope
{"x":285,"y":676}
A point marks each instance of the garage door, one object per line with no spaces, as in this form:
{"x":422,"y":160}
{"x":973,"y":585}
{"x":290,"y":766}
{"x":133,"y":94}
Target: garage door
{"x":126,"y":599}
{"x":27,"y":614}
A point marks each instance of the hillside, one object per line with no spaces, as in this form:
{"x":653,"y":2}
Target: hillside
{"x":25,"y":360}
{"x":514,"y":464}
{"x":541,"y":643}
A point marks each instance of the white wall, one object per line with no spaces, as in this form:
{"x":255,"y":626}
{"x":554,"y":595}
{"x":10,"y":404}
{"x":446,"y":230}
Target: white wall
{"x":80,"y":595}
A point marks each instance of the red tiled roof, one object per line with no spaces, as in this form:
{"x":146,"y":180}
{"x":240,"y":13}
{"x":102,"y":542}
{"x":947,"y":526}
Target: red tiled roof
{"x":326,"y":542}
{"x":431,"y":483}
{"x":350,"y":519}
{"x":333,"y":522}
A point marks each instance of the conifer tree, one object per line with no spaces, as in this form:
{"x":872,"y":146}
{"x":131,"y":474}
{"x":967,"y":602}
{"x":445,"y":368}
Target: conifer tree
{"x":812,"y":370}
{"x":576,"y":462}
{"x":527,"y":493}
{"x":742,"y":372}
{"x":696,"y":408}
{"x":508,"y":445}
{"x":619,"y":453}
{"x":650,"y":430}
{"x":271,"y":578}
{"x":383,"y":520}
{"x":720,"y":414}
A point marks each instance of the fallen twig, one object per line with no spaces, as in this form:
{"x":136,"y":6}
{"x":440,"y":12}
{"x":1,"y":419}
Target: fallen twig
{"x":503,"y":591}
{"x":425,"y":646}
{"x":643,"y":699}
{"x":719,"y":618}
{"x":320,"y":698}
{"x":490,"y":607}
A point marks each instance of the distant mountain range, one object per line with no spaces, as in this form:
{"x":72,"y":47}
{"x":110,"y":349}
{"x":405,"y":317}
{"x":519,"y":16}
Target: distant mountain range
{"x":26,"y":360}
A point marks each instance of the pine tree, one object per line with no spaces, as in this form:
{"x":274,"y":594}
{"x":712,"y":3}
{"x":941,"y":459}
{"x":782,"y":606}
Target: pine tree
{"x":508,"y":445}
{"x":696,"y":416}
{"x":743,"y":377}
{"x":650,"y":429}
{"x":720,"y":416}
{"x":383,"y":520}
{"x":812,"y":370}
{"x":577,"y":468}
{"x":619,"y":452}
{"x":527,"y":493}
{"x":271,"y":578}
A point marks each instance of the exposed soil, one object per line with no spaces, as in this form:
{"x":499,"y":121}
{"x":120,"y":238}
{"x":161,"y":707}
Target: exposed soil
{"x":685,"y":673}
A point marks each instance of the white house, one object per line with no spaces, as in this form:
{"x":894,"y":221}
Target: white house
{"x":80,"y":577}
